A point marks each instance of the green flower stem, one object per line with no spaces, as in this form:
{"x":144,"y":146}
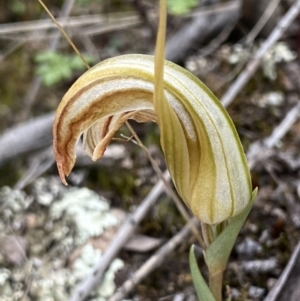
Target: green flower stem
{"x":210,"y":234}
{"x":215,"y":285}
{"x":206,"y":234}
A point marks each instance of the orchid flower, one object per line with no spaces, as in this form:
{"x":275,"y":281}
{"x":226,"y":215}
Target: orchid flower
{"x":202,"y":149}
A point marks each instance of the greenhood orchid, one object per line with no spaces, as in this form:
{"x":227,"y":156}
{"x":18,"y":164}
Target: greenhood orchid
{"x":202,"y":149}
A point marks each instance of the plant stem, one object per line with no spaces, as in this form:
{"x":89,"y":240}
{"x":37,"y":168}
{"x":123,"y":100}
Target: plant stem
{"x":215,"y":284}
{"x":206,"y":234}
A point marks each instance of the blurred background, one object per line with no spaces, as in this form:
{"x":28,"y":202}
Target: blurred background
{"x":51,"y":236}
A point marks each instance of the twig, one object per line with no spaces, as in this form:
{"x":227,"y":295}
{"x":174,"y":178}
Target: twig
{"x":213,"y":9}
{"x":79,"y":21}
{"x":88,"y":31}
{"x":36,"y":82}
{"x":97,"y":19}
{"x":63,"y":32}
{"x":95,"y":29}
{"x":258,"y":150}
{"x":11,"y":47}
{"x":284,"y":126}
{"x":171,"y":192}
{"x":281,"y":283}
{"x":252,"y":66}
{"x":217,"y":41}
{"x":27,"y":137}
{"x":262,"y":21}
{"x":39,"y":166}
{"x":249,"y":42}
{"x":122,"y":236}
{"x":198,"y":30}
{"x":152,"y":263}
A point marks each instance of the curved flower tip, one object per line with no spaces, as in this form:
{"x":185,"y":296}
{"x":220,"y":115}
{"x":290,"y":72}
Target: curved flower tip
{"x":99,"y":103}
{"x":202,"y":149}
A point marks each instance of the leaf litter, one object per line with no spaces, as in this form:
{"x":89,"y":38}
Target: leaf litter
{"x":43,"y":229}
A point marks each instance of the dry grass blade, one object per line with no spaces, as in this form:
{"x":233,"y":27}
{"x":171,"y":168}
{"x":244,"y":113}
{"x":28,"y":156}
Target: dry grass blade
{"x":64,"y":34}
{"x":36,"y":82}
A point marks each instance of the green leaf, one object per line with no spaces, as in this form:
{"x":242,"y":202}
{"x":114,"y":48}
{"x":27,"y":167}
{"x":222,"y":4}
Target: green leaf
{"x":202,"y":289}
{"x":51,"y":78}
{"x":18,"y":7}
{"x":179,"y":7}
{"x":76,"y":62}
{"x":54,"y":67}
{"x":45,"y":56}
{"x":217,"y":254}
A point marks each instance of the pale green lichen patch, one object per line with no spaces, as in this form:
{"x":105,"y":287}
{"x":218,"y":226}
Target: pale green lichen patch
{"x":46,"y":244}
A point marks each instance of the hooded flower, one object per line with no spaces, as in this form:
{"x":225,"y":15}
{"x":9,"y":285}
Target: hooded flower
{"x":202,"y":149}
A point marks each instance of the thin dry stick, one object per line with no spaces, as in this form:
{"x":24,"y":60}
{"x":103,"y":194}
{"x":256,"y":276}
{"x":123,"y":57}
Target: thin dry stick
{"x":40,"y":164}
{"x":36,"y":83}
{"x":284,"y":126}
{"x":249,"y":41}
{"x":218,"y":40}
{"x":92,"y":30}
{"x":212,"y":46}
{"x":281,"y":282}
{"x":65,"y":34}
{"x":252,"y":66}
{"x":262,"y":21}
{"x":10,"y":48}
{"x":153,"y":262}
{"x":277,"y":134}
{"x":79,"y":21}
{"x":214,"y":8}
{"x":122,"y":236}
{"x":171,"y":192}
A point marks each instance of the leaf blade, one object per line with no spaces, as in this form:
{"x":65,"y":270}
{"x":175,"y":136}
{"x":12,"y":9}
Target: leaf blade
{"x":202,"y":289}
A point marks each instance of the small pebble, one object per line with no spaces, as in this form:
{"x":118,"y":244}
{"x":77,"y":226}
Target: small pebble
{"x":259,"y":266}
{"x":256,"y":292}
{"x":249,"y":247}
{"x":271,"y":282}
